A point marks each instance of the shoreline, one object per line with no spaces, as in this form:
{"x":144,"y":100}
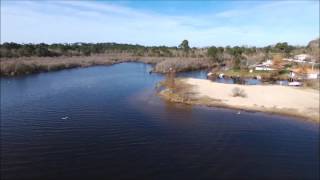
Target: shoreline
{"x":11,"y":67}
{"x":191,"y":91}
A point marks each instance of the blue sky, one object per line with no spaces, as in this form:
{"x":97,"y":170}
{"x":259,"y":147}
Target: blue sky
{"x":203,"y":23}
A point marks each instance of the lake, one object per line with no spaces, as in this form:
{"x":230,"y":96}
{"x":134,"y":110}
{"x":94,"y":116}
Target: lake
{"x":106,"y":122}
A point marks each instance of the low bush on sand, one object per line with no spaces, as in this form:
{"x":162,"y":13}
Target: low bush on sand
{"x":238,"y":92}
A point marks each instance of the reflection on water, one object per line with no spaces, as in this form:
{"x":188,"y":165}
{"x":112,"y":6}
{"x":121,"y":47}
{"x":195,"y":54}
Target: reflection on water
{"x":117,"y":128}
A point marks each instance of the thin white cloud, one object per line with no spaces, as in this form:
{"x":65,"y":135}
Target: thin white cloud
{"x":229,"y":13}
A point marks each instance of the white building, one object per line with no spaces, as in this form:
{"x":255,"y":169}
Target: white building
{"x":288,"y":59}
{"x":268,"y":62}
{"x":261,"y":67}
{"x":264,"y":66}
{"x":301,"y":58}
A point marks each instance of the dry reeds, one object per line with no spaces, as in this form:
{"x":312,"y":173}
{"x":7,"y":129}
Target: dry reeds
{"x":28,"y":65}
{"x":182,"y":64}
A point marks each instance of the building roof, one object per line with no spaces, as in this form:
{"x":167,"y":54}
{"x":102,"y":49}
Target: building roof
{"x":305,"y":55}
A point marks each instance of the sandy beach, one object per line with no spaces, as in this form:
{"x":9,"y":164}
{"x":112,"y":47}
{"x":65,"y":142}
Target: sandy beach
{"x":296,"y":101}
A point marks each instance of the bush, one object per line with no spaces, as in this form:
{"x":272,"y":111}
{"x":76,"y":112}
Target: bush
{"x":238,"y":92}
{"x":284,"y":71}
{"x":24,"y":68}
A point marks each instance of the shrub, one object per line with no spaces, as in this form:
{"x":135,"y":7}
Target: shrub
{"x":284,"y":71}
{"x":24,"y":68}
{"x":238,"y":92}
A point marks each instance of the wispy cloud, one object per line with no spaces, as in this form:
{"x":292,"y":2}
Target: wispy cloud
{"x":75,"y":21}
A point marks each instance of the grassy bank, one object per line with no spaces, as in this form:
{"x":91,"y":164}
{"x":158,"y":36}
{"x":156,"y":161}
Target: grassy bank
{"x":30,"y":65}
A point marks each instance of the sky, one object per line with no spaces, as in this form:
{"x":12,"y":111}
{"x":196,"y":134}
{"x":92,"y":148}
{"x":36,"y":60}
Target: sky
{"x":154,"y":23}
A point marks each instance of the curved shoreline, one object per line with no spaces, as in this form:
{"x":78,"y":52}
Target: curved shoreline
{"x":10,"y":67}
{"x":194,"y":92}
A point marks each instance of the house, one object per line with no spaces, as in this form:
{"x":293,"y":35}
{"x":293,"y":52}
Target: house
{"x":264,"y":66}
{"x":302,"y":57}
{"x":268,"y":62}
{"x":261,"y":67}
{"x":288,"y":59}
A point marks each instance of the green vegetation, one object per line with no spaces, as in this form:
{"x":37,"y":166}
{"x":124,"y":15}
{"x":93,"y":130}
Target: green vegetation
{"x":185,"y":46}
{"x":74,"y":49}
{"x":19,"y":59}
{"x":215,"y":53}
{"x":14,"y":50}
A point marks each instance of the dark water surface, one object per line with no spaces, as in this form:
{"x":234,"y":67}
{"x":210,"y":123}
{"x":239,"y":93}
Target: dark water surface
{"x":106,"y":123}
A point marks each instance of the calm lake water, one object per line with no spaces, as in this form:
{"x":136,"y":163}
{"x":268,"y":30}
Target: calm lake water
{"x":107,"y":123}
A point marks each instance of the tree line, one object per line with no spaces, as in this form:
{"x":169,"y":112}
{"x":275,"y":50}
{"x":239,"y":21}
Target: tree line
{"x":11,"y":49}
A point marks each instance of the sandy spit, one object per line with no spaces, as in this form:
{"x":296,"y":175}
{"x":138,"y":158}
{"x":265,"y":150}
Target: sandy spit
{"x":296,"y":101}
